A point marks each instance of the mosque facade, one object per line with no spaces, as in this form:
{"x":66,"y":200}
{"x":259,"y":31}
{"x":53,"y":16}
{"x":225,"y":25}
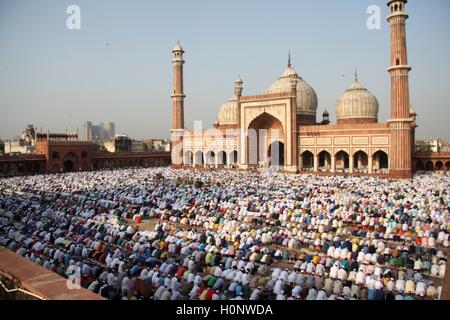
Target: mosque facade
{"x":279,"y":128}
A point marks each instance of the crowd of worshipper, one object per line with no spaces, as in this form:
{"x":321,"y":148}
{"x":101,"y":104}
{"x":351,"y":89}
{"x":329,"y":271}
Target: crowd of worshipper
{"x":229,"y":235}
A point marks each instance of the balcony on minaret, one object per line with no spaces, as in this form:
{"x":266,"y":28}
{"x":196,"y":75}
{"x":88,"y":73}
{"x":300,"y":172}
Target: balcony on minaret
{"x":178,"y":53}
{"x":397,"y":8}
{"x":397,"y":5}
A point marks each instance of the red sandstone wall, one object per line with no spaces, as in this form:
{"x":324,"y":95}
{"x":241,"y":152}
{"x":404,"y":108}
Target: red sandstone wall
{"x":38,"y":280}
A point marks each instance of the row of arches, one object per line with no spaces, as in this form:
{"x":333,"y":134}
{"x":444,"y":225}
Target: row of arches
{"x":211,"y":158}
{"x":432,"y":165}
{"x":98,"y":164}
{"x":358,"y":162}
{"x":21,"y":168}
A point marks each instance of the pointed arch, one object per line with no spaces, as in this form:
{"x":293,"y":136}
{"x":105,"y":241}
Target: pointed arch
{"x":342,"y":161}
{"x":307,"y":160}
{"x":360,"y":161}
{"x":199,"y":158}
{"x":324,"y":158}
{"x":420,"y":166}
{"x":380,"y":161}
{"x":222,"y":158}
{"x":188,"y":158}
{"x":429,"y":166}
{"x":210,"y":158}
{"x":263,"y":131}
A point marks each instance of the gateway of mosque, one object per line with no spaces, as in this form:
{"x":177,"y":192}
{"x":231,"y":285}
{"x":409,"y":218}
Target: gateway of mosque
{"x":279,"y":127}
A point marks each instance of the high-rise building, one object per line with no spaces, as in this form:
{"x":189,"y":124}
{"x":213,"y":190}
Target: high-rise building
{"x":101,"y":132}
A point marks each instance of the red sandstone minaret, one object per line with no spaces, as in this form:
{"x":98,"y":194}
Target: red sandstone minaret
{"x":178,"y":94}
{"x":401,"y":121}
{"x":177,"y":105}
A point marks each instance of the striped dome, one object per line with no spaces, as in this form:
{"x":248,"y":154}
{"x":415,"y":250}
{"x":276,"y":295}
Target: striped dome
{"x":306,"y":96}
{"x":228,"y":113}
{"x":357,"y":103}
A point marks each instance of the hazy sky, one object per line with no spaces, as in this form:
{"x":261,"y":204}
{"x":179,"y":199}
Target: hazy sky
{"x":117,"y":67}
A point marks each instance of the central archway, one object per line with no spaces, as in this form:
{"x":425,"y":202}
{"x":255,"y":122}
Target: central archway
{"x":275,"y":154}
{"x":70,"y":162}
{"x":68,"y":166}
{"x":265,"y":134}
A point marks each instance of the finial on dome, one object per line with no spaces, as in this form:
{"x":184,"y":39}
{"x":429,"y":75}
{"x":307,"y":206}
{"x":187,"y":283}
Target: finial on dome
{"x":356,"y":75}
{"x":289,"y":59}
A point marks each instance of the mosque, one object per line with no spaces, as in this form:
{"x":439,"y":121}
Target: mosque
{"x":279,"y":128}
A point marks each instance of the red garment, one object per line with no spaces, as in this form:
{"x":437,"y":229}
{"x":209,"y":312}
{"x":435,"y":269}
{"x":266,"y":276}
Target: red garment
{"x":200,"y":290}
{"x":209,"y":294}
{"x":180,"y":272}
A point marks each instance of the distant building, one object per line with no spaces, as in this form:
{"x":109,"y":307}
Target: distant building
{"x":29,"y":133}
{"x":2,"y":148}
{"x":157,"y":145}
{"x":100,"y":133}
{"x":137,"y":146}
{"x":445,"y":147}
{"x":431,"y":145}
{"x":64,"y":152}
{"x":25,"y":144}
{"x":120,"y":143}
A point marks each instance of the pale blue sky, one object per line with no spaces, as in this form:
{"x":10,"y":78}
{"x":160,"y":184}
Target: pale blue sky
{"x":54,"y":77}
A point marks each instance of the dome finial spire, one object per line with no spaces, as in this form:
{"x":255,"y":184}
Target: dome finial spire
{"x":289,"y":59}
{"x":356,"y":75}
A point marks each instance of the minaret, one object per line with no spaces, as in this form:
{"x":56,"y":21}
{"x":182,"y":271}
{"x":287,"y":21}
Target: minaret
{"x":177,"y":105}
{"x":293,"y":162}
{"x":178,"y":94}
{"x":238,"y":88}
{"x":401,"y":122}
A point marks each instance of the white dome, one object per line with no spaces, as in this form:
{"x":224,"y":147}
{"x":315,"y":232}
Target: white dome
{"x":357,"y":103}
{"x":228,"y":113}
{"x":306,"y":96}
